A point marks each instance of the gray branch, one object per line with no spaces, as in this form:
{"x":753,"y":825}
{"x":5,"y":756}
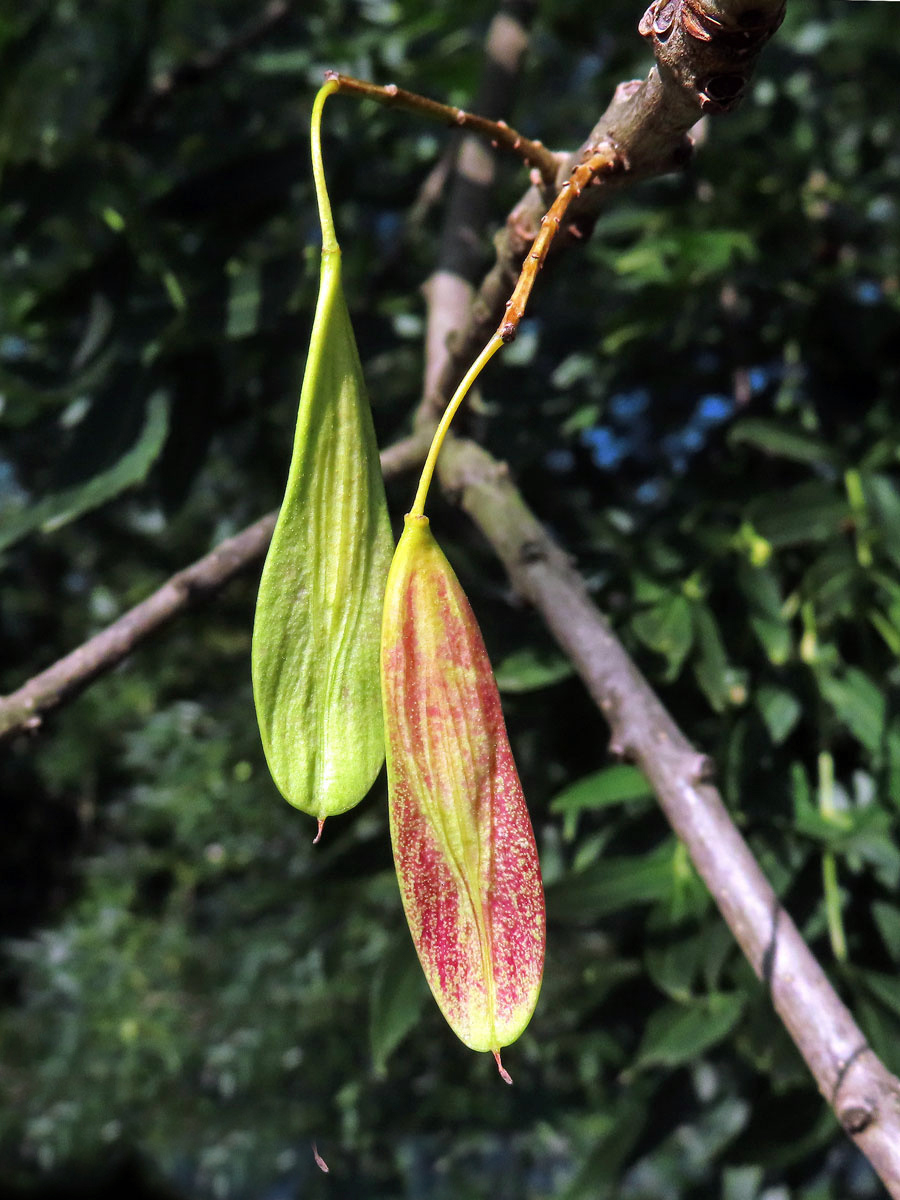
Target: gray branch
{"x":25,"y":708}
{"x":864,"y":1095}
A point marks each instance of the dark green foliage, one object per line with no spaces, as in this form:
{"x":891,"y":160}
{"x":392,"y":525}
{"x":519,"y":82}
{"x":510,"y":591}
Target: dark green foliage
{"x":702,"y":405}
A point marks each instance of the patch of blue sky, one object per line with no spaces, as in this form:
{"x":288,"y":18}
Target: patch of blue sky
{"x":13,"y":348}
{"x":11,"y":492}
{"x":587,"y":68}
{"x":868,"y":291}
{"x":758,"y":378}
{"x":673,"y":444}
{"x":651,"y":491}
{"x":693,"y":438}
{"x":625,"y":406}
{"x":607,"y":448}
{"x":714,"y":409}
{"x":388,"y":226}
{"x":559,"y":460}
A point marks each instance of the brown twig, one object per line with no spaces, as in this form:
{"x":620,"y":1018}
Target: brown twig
{"x":533,"y":154}
{"x":25,"y":708}
{"x":602,"y":162}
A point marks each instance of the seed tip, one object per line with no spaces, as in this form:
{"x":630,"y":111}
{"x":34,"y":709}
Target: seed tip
{"x":320,"y":1161}
{"x":318,"y":836}
{"x":504,"y":1074}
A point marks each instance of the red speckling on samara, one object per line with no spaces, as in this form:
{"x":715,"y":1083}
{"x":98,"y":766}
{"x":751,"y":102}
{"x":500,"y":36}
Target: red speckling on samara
{"x":463,"y":844}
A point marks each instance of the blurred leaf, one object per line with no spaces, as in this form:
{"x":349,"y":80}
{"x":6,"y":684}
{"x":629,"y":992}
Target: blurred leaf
{"x":398,"y":996}
{"x":584,"y":417}
{"x":619,"y":784}
{"x":885,"y":988}
{"x":530,"y":669}
{"x":858,"y":834}
{"x":675,"y":962}
{"x":883,"y":504}
{"x":779,"y":709}
{"x":880,"y":1025}
{"x":767,"y":1045}
{"x":59,"y":509}
{"x":858,"y":704}
{"x":761,"y":588}
{"x":689,"y":255}
{"x":614,"y":884}
{"x":887,"y":919}
{"x":676,"y":1034}
{"x":872,"y":842}
{"x":832,"y":582}
{"x":721,"y":684}
{"x":809,"y":512}
{"x":773,"y":438}
{"x":244,"y":300}
{"x":809,"y":819}
{"x":282,"y":62}
{"x":742,"y":1183}
{"x":611,"y":1137}
{"x":667,"y":628}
